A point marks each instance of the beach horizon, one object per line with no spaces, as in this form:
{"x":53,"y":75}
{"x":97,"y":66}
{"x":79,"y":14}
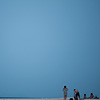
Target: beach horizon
{"x":32,"y":98}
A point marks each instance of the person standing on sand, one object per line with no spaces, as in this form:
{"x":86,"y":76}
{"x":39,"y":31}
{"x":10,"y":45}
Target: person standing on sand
{"x":65,"y":92}
{"x":76,"y":93}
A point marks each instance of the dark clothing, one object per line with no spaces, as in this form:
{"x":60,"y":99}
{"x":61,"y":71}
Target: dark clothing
{"x":77,"y":94}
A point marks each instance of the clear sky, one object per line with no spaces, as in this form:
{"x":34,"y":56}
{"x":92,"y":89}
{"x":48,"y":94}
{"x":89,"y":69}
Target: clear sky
{"x":46,"y":44}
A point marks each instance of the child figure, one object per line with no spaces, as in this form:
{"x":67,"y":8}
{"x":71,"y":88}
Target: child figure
{"x":65,"y":92}
{"x":84,"y":96}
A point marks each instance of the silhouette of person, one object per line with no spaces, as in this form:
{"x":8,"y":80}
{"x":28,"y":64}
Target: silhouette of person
{"x":91,"y":96}
{"x":84,"y":96}
{"x":65,"y":92}
{"x":76,"y":93}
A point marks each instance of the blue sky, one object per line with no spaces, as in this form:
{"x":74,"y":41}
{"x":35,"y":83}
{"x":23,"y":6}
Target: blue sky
{"x":46,"y":44}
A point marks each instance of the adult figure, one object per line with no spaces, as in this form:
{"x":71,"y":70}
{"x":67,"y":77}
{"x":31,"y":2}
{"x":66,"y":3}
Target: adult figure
{"x":91,"y":96}
{"x":65,"y":92}
{"x":76,"y":94}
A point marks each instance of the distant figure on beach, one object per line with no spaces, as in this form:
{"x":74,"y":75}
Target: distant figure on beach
{"x":65,"y":92}
{"x":91,"y":96}
{"x":96,"y":97}
{"x":84,"y":96}
{"x":76,"y":93}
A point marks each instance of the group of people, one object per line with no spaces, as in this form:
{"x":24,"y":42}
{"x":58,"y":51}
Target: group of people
{"x":91,"y":96}
{"x":77,"y":94}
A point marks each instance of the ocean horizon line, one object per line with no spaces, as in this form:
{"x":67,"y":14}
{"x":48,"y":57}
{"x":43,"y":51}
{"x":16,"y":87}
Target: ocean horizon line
{"x":28,"y":97}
